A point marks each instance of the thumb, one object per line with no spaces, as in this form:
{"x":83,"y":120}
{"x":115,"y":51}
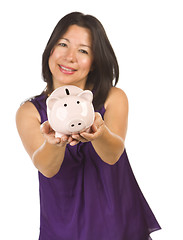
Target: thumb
{"x":45,"y":127}
{"x":94,"y":128}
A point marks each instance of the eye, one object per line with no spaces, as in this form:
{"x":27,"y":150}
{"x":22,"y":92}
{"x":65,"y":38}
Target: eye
{"x":78,"y":102}
{"x":65,"y":105}
{"x":62,"y":44}
{"x":83,"y":51}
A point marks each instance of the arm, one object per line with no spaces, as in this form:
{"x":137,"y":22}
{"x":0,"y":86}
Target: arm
{"x":108,"y":145}
{"x":109,"y":135}
{"x":46,"y":151}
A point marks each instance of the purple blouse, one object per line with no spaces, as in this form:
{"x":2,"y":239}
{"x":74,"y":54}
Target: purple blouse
{"x":89,"y":199}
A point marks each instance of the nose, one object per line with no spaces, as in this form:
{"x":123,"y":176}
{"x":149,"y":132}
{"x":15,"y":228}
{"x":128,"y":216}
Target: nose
{"x":76,"y":125}
{"x":70,"y":55}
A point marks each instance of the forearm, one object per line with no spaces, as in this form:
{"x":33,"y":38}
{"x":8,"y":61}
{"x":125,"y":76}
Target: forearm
{"x":48,"y":158}
{"x":109,"y":146}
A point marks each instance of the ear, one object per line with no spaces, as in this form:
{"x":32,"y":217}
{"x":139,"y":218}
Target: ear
{"x":51,"y":101}
{"x":87,"y":95}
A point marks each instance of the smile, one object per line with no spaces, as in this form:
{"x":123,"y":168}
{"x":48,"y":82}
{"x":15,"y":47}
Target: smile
{"x":66,"y":70}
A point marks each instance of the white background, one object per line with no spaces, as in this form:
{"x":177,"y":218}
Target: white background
{"x":147,"y":37}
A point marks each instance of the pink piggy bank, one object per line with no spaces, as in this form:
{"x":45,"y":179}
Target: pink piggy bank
{"x":70,"y":110}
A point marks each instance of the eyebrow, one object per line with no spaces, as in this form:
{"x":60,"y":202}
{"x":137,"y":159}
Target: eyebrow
{"x":82,"y":45}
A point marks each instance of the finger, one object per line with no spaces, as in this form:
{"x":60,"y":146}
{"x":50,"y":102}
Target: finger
{"x":64,"y":138}
{"x":62,"y":141}
{"x":76,"y":136}
{"x":87,"y":136}
{"x":79,"y":138}
{"x":74,"y":142}
{"x":94,"y":128}
{"x":52,"y":140}
{"x":98,"y":116}
{"x":70,"y":139}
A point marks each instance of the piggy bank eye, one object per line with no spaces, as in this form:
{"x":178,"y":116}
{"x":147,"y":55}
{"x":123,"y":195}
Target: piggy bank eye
{"x":78,"y":102}
{"x":65,"y":105}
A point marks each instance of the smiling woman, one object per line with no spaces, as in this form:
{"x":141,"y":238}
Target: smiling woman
{"x":87,"y":187}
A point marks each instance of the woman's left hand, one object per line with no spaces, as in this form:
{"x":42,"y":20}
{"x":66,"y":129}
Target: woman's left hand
{"x":97,"y":129}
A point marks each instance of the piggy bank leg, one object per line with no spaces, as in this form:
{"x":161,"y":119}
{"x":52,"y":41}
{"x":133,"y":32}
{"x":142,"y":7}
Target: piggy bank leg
{"x":58,"y":135}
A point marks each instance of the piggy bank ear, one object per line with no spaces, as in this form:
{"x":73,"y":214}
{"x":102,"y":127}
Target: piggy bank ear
{"x":51,"y":101}
{"x":87,"y":95}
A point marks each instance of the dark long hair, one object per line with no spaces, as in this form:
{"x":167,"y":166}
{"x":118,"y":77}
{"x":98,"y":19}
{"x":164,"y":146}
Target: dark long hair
{"x":105,"y":70}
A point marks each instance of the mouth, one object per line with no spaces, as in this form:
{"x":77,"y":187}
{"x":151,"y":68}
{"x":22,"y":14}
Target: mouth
{"x":67,"y":70}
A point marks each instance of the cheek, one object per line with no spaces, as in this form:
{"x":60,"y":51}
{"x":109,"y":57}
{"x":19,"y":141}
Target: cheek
{"x":86,"y":64}
{"x":51,"y":62}
{"x":54,"y":55}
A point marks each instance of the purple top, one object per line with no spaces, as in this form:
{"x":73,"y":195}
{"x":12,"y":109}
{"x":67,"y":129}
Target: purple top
{"x":89,"y":199}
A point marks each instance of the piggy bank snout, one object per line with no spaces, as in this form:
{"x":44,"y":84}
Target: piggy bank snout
{"x":76,"y":125}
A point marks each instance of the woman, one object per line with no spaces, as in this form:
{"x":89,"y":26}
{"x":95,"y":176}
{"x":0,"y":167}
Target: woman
{"x":87,"y":188}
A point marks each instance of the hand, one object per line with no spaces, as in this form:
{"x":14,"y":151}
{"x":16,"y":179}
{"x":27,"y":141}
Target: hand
{"x":97,"y":129}
{"x":49,"y":135}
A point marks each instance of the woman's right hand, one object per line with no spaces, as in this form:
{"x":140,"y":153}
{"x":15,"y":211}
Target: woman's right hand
{"x":49,"y":135}
{"x":46,"y":151}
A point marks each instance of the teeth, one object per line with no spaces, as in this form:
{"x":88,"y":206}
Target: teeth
{"x":66,"y":69}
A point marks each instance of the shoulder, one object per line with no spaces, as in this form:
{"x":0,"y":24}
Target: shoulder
{"x":28,"y":126}
{"x":27,"y":110}
{"x":116,"y":97}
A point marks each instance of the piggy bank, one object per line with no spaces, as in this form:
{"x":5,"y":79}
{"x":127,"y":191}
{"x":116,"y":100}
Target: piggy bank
{"x":70,"y":110}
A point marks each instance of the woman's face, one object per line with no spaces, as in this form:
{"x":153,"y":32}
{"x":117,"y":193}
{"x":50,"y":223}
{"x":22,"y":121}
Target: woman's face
{"x":71,"y":59}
